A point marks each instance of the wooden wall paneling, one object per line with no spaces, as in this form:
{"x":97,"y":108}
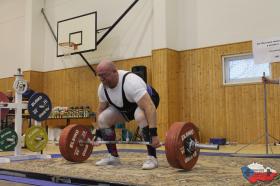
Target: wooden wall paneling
{"x":159,"y":80}
{"x":207,"y":79}
{"x":274,"y":104}
{"x":6,"y":84}
{"x":27,"y":75}
{"x":240,"y":99}
{"x":203,"y":102}
{"x":256,"y":113}
{"x":54,"y":86}
{"x":248,"y":113}
{"x":36,"y":81}
{"x":173,"y":82}
{"x":71,"y":86}
{"x":88,"y":86}
{"x":217,"y":93}
{"x":259,"y":126}
{"x":186,"y":74}
{"x":191,"y":87}
{"x":230,"y":113}
{"x":277,"y":107}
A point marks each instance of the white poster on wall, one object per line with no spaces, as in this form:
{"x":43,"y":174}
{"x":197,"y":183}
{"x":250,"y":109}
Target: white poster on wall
{"x":266,"y":50}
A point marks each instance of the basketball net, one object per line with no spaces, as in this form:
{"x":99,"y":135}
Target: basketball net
{"x":67,"y":48}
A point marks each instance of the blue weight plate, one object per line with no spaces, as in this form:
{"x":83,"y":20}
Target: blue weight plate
{"x":39,"y":106}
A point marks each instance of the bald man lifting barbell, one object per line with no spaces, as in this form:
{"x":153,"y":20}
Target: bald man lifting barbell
{"x":124,"y":96}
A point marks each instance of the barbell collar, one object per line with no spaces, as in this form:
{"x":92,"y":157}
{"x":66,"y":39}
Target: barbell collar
{"x":207,"y":146}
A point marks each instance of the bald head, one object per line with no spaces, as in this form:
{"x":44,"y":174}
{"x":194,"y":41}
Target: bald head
{"x":106,"y":65}
{"x":108,"y":74}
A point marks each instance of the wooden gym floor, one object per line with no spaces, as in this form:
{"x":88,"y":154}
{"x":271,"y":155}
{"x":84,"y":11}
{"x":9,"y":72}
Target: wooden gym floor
{"x":219,"y":169}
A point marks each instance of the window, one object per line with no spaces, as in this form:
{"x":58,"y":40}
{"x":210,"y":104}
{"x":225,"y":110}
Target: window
{"x":241,"y":68}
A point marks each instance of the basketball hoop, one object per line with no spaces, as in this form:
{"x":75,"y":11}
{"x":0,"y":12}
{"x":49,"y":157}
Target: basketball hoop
{"x":68,"y":48}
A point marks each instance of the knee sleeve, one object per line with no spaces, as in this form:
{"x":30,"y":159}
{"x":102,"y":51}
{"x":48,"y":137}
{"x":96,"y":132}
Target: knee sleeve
{"x":108,"y":134}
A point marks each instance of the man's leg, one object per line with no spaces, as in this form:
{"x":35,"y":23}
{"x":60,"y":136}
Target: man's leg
{"x":143,"y":124}
{"x":106,"y":121}
{"x":108,"y":134}
{"x":141,"y":120}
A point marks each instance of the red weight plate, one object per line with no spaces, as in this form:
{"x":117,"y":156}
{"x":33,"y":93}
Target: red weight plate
{"x":187,"y":162}
{"x":63,"y":140}
{"x":69,"y":145}
{"x":174,"y":145}
{"x":171,"y":144}
{"x":4,"y":111}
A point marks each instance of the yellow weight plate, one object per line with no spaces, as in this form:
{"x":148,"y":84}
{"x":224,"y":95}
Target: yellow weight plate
{"x":36,"y":138}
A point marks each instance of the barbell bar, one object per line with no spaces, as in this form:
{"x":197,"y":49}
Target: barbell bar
{"x":182,"y":145}
{"x":196,"y":145}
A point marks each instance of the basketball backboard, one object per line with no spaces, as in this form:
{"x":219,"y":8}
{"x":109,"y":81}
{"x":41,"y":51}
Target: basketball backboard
{"x":80,"y":30}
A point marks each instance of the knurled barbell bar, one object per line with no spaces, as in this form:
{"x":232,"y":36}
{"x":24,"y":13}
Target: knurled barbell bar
{"x":181,"y":144}
{"x":191,"y":143}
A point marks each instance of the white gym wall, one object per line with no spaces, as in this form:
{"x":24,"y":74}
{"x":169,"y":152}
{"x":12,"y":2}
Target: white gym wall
{"x":27,"y":42}
{"x":206,"y":23}
{"x":12,"y":37}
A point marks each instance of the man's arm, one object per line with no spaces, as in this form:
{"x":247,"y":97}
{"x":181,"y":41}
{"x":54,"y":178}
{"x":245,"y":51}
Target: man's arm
{"x":101,"y":107}
{"x":146,"y":104}
{"x":98,"y":135}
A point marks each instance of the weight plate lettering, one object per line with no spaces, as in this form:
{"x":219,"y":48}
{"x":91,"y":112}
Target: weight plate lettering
{"x":69,"y":143}
{"x":36,"y":138}
{"x":39,"y":106}
{"x":8,"y":139}
{"x":175,"y":145}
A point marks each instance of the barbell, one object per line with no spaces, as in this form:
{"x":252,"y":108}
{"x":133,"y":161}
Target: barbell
{"x":182,"y":145}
